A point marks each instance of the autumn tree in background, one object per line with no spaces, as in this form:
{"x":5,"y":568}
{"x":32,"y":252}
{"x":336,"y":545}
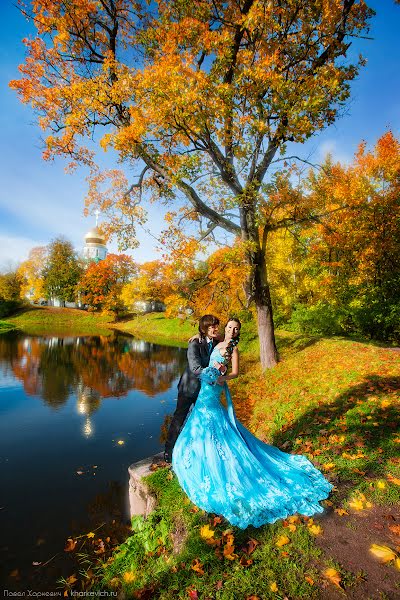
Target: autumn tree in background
{"x":10,"y":292}
{"x":62,"y":271}
{"x":197,"y":99}
{"x":101,"y":285}
{"x":151,"y":284}
{"x":216,"y":285}
{"x":30,"y":270}
{"x":357,"y":249}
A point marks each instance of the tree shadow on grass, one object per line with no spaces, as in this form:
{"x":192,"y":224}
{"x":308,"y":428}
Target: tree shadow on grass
{"x":296,"y":342}
{"x":362,"y":421}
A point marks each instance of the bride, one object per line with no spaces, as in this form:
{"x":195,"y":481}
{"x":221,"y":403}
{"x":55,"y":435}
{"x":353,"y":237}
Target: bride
{"x":226,"y":470}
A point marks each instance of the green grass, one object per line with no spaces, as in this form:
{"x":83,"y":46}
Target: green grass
{"x":154,"y":327}
{"x":334,"y":400}
{"x":6,"y":326}
{"x":146,"y":561}
{"x":59,"y":321}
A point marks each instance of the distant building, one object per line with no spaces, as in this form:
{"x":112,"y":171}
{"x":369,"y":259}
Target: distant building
{"x":95,"y":246}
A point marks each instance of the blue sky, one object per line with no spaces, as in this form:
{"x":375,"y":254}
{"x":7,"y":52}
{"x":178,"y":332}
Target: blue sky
{"x":39,"y":201}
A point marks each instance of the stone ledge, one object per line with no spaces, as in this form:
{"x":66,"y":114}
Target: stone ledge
{"x":141,"y":500}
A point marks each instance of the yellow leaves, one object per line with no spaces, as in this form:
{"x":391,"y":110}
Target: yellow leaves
{"x":315,"y":529}
{"x":341,"y":512}
{"x":129,"y":577}
{"x":383,"y":553}
{"x":273,"y":587}
{"x":90,"y":534}
{"x":197,"y":566}
{"x":206,"y":533}
{"x":353,"y":456}
{"x":381,"y":485}
{"x":334,"y":577}
{"x":393,"y":479}
{"x":328,"y":466}
{"x":359,"y":502}
{"x":282,"y":541}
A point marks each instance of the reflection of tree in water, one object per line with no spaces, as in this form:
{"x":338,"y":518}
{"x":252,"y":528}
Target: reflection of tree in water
{"x":92,"y":367}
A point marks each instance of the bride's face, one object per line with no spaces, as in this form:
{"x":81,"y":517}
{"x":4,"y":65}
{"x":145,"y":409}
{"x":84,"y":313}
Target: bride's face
{"x":232,"y":330}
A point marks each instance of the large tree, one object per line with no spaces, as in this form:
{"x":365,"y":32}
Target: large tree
{"x":62,"y":271}
{"x":197,"y":99}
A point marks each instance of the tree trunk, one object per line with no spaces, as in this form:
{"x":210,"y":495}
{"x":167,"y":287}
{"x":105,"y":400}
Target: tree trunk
{"x":265,"y":322}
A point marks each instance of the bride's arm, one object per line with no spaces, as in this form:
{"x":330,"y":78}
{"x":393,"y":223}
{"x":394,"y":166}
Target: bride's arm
{"x":235,"y":368}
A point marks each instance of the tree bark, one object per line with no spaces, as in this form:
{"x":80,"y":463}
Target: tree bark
{"x":258,"y":289}
{"x":265,"y":323}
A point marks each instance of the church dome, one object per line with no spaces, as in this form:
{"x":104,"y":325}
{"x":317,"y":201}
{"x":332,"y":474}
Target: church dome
{"x":94,"y":236}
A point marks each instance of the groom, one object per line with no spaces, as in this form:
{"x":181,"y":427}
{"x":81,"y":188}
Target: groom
{"x":198,"y":356}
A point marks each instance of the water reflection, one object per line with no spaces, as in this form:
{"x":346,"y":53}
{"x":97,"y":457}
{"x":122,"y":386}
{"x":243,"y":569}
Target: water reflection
{"x":65,"y":403}
{"x":91,"y":367}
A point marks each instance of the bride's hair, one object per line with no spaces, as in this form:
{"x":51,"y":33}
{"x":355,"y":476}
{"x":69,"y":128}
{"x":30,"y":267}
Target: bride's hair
{"x":234,"y":341}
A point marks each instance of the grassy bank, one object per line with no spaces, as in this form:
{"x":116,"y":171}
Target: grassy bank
{"x":6,"y":326}
{"x":335,"y":401}
{"x":59,"y":321}
{"x":155,"y":327}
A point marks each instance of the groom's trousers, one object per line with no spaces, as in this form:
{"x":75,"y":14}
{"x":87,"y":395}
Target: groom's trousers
{"x":182,"y":408}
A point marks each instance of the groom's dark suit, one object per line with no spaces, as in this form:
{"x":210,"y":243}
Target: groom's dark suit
{"x":198,"y":356}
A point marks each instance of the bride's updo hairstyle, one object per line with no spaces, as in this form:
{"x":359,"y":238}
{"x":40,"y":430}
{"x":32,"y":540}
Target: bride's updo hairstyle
{"x":234,"y":341}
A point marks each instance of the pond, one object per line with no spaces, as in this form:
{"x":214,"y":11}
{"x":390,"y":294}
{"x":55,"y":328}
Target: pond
{"x":75,"y":413}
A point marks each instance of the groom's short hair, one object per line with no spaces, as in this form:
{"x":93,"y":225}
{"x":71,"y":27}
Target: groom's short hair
{"x":205,"y":322}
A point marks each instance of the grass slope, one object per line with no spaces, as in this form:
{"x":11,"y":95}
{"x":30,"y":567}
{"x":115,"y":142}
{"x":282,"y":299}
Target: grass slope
{"x":334,"y":400}
{"x":59,"y":321}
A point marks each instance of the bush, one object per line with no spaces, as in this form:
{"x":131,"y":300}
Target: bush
{"x":321,"y":318}
{"x":8,"y":307}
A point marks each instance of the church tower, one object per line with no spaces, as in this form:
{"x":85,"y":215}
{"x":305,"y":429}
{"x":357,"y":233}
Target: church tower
{"x":95,"y":245}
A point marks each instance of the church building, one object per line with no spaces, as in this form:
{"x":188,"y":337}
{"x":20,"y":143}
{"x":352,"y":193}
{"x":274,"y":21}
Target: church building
{"x":95,"y":246}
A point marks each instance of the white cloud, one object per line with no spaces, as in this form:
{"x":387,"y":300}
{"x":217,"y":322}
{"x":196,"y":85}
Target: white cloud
{"x":14,"y":249}
{"x":331,"y":147}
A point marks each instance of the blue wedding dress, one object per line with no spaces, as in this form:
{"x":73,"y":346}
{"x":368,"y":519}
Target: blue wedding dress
{"x":226,"y":470}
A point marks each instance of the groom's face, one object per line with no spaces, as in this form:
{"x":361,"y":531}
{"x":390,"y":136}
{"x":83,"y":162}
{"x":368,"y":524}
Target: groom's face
{"x":212,"y":331}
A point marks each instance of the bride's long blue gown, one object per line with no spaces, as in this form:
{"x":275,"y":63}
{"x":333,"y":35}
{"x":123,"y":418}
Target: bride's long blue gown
{"x":226,"y":470}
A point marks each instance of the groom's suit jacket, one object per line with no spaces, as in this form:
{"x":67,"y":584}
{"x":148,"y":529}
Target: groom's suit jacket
{"x":198,"y":355}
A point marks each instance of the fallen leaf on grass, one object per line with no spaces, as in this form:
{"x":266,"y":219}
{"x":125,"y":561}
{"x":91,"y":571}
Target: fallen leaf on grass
{"x":197,"y":566}
{"x":273,"y":587}
{"x":193,"y":595}
{"x":380,"y":485}
{"x":328,"y":466}
{"x":334,"y":577}
{"x":394,"y":480}
{"x":282,"y":540}
{"x":309,"y":580}
{"x":206,"y":533}
{"x":229,"y":552}
{"x":129,"y":577}
{"x":341,"y":512}
{"x":383,"y":553}
{"x":315,"y":529}
{"x":251,"y":545}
